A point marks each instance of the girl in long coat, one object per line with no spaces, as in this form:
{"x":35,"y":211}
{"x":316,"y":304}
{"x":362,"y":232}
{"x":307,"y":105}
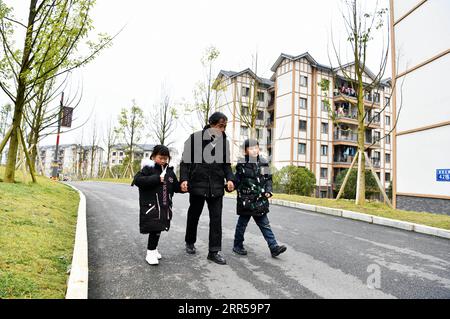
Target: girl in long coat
{"x":157,"y":183}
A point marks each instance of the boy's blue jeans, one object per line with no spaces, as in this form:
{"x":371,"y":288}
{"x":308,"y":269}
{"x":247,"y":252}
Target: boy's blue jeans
{"x":263,"y":224}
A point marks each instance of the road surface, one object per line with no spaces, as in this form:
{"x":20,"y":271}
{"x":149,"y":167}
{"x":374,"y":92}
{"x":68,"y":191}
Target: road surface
{"x":327,"y":257}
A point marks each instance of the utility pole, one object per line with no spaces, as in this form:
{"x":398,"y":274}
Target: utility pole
{"x":55,"y":165}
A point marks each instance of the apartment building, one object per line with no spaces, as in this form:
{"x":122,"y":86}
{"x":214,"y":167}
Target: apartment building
{"x":238,"y":100}
{"x":299,"y":129}
{"x":420,"y":45}
{"x":74,"y":160}
{"x":118,"y":154}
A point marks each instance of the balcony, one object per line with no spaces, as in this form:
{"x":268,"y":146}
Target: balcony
{"x":345,"y":136}
{"x":369,"y":100}
{"x":269,"y":122}
{"x":373,"y":120}
{"x":376,"y":162}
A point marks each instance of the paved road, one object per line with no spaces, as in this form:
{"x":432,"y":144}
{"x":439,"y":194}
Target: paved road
{"x":327,"y":257}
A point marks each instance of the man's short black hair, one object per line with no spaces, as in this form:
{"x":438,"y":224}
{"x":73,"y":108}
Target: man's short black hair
{"x":216,"y":117}
{"x":250,"y":143}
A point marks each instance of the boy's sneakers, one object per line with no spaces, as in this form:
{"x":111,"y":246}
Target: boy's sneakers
{"x":190,"y":249}
{"x":240,"y":251}
{"x":277,"y":250}
{"x":152,"y":257}
{"x":158,"y":255}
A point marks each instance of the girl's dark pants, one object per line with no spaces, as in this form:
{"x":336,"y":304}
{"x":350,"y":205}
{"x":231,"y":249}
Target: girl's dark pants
{"x":153,"y":239}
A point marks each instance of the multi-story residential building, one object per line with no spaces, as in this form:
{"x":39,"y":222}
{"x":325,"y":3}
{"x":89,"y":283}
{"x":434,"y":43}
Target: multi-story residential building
{"x":299,"y":129}
{"x":238,"y":100}
{"x":74,"y":160}
{"x":118,"y":154}
{"x":420,"y":45}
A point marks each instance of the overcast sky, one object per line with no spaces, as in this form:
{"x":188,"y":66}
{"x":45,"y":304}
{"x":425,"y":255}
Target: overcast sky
{"x":163,"y":41}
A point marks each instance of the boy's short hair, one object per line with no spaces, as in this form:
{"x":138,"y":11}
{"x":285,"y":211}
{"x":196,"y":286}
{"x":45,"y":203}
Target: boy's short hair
{"x":249,"y":143}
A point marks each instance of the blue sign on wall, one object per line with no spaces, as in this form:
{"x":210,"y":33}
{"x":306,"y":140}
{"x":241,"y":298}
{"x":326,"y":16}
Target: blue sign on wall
{"x":443,"y":175}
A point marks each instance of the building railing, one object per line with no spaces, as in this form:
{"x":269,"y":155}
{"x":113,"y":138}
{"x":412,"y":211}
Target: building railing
{"x":346,"y":136}
{"x":375,"y":98}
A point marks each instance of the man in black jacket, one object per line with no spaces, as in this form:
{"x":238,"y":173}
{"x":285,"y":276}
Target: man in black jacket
{"x":204,"y":168}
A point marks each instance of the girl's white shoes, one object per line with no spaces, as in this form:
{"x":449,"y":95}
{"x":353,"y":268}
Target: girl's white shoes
{"x":158,"y":255}
{"x":153,"y":256}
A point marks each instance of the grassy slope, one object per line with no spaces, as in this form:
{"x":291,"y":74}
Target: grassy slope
{"x":374,"y":208}
{"x":37,"y":230}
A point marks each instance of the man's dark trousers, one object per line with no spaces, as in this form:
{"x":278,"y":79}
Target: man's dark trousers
{"x":215,"y":220}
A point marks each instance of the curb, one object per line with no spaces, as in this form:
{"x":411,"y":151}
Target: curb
{"x":417,"y":228}
{"x":77,"y":285}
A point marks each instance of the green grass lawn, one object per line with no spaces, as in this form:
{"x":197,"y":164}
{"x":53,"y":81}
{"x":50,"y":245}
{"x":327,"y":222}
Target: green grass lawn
{"x":37,"y":232}
{"x":112,"y":180}
{"x":374,"y":208}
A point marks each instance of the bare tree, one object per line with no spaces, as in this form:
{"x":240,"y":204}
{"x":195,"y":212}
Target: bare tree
{"x":131,"y":123}
{"x":163,"y":118}
{"x":109,"y":140}
{"x":93,"y":148}
{"x":206,"y":98}
{"x":360,"y":29}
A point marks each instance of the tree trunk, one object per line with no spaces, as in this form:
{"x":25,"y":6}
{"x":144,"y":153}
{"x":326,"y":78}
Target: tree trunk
{"x":20,"y":98}
{"x":361,"y":179}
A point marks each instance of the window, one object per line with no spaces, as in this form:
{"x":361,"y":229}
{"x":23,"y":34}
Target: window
{"x":325,"y":106}
{"x":302,"y":125}
{"x":377,"y":155}
{"x":323,"y":172}
{"x":260,"y":115}
{"x":244,"y":110}
{"x":388,"y":120}
{"x":121,"y":154}
{"x":388,"y":139}
{"x":387,"y":177}
{"x":324,"y":150}
{"x":244,"y":131}
{"x":113,"y":161}
{"x":376,"y":97}
{"x":377,"y":118}
{"x":120,"y":161}
{"x":245,"y":91}
{"x":302,"y":148}
{"x":303,"y":103}
{"x":377,"y":136}
{"x":387,"y":101}
{"x":324,"y":128}
{"x":388,"y":158}
{"x":258,"y":134}
{"x":146,"y":155}
{"x":114,"y":153}
{"x":261,"y":96}
{"x":303,"y":81}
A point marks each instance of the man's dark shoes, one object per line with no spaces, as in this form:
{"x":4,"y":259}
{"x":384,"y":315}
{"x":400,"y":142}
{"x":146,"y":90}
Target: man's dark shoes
{"x":217,"y":258}
{"x":240,"y":251}
{"x":277,"y":250}
{"x":190,"y":249}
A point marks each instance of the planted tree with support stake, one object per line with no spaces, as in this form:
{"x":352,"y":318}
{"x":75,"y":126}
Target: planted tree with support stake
{"x":131,"y":123}
{"x":52,"y":35}
{"x":361,"y":86}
